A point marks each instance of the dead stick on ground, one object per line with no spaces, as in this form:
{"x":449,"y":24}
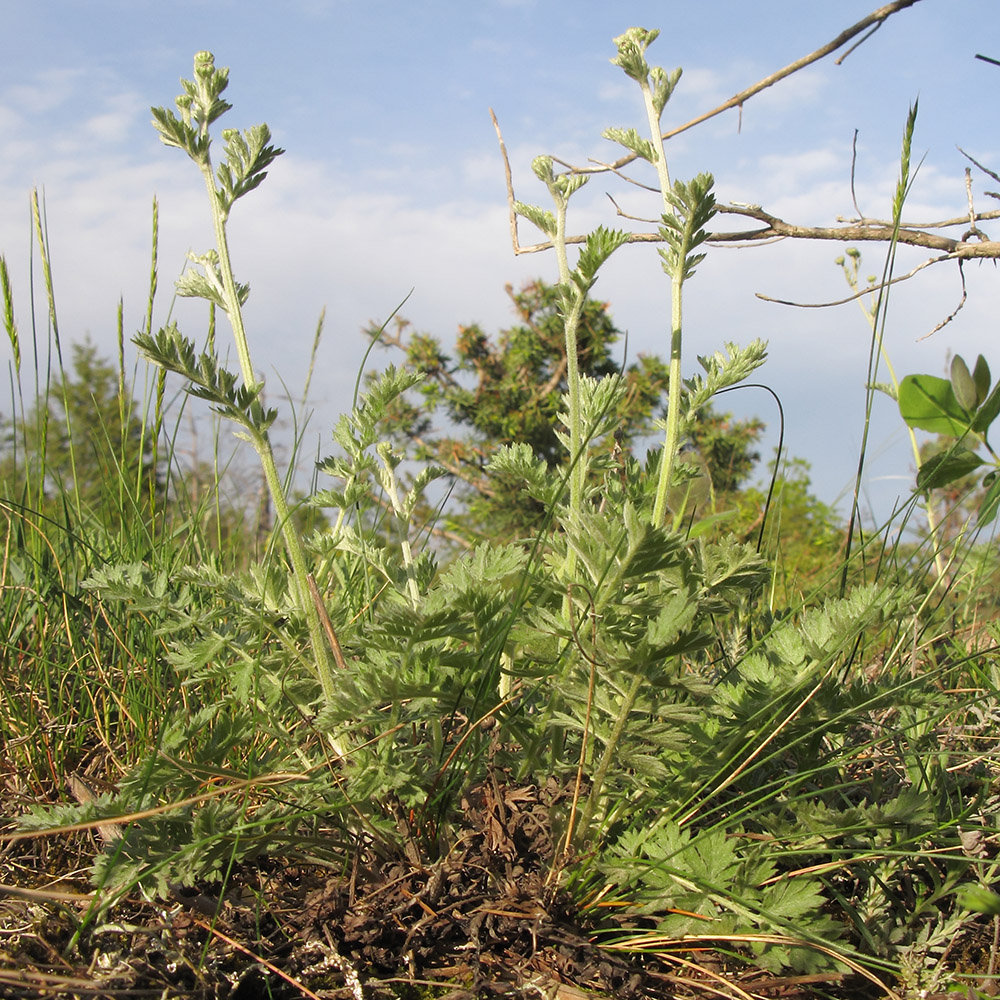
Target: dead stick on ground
{"x":324,"y":617}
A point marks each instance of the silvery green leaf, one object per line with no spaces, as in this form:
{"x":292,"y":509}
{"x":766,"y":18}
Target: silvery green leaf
{"x":724,"y":370}
{"x":887,"y":388}
{"x":247,"y":157}
{"x":421,"y":481}
{"x":545,"y":221}
{"x":541,"y":167}
{"x":600,"y":401}
{"x":566,"y":184}
{"x":174,"y":132}
{"x":663,"y":84}
{"x":631,"y":52}
{"x":682,"y":231}
{"x":631,"y":140}
{"x":197,"y":285}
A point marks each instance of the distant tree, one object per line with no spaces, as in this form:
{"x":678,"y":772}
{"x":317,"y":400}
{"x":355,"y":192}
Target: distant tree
{"x":728,"y":448}
{"x":83,"y":446}
{"x":508,"y":388}
{"x":802,"y":536}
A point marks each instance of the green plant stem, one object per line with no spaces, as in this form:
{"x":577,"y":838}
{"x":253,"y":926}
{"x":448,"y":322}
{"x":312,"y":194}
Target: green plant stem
{"x":392,"y":488}
{"x":929,"y":508}
{"x":672,"y":436}
{"x":870,"y":316}
{"x":262,"y":444}
{"x":676,"y":291}
{"x":610,"y":749}
{"x":571,"y":323}
{"x":43,"y":251}
{"x":878,"y":329}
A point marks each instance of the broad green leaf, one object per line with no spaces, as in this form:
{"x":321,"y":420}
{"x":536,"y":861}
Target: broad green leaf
{"x":929,"y":404}
{"x":943,"y":469}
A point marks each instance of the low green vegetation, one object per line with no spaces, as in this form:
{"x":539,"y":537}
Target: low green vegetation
{"x":549,"y":659}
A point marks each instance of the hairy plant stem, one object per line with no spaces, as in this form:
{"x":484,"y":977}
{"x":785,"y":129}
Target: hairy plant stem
{"x":262,"y":444}
{"x":676,"y":290}
{"x":571,"y":323}
{"x":672,"y":436}
{"x":610,"y":749}
{"x":391,"y":485}
{"x":870,"y":314}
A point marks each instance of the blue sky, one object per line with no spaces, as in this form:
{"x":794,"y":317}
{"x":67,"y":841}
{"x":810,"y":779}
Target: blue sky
{"x":392,"y":180}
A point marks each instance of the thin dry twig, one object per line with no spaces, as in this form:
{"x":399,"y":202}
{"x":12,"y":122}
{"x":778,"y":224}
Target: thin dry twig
{"x":324,"y":617}
{"x":864,"y":38}
{"x":655,"y":942}
{"x":864,"y":231}
{"x":510,"y":184}
{"x":270,"y":966}
{"x":774,"y":228}
{"x":954,"y":312}
{"x":939,"y":224}
{"x":854,"y":164}
{"x":738,"y":100}
{"x":624,"y":215}
{"x":856,"y":295}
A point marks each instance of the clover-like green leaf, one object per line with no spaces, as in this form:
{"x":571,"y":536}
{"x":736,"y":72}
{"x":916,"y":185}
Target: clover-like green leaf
{"x":928,"y":403}
{"x":962,"y":384}
{"x":981,"y":376}
{"x":987,"y":413}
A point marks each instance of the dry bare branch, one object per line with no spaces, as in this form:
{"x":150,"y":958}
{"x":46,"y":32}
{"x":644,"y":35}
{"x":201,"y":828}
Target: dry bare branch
{"x":854,"y":296}
{"x":876,"y":18}
{"x":940,"y":224}
{"x":870,"y":232}
{"x":955,"y":311}
{"x":510,"y":184}
{"x":985,"y":170}
{"x":885,"y":284}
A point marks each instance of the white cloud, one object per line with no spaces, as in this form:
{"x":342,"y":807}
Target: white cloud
{"x":358,"y":244}
{"x":44,"y":93}
{"x":114,"y":124}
